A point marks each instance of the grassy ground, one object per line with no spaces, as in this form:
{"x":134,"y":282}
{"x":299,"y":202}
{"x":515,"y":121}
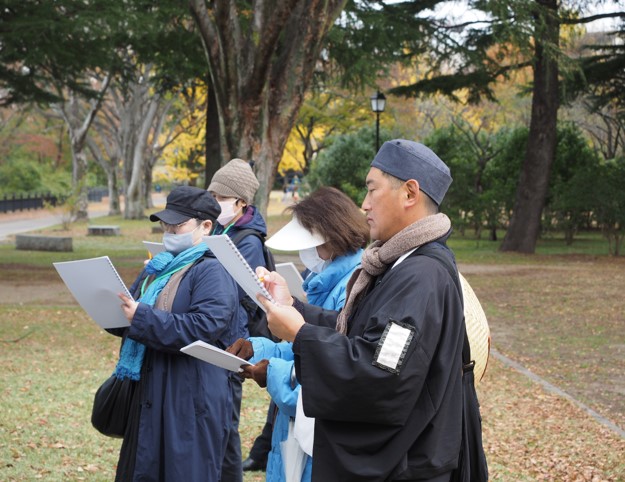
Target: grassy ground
{"x":559,"y":313}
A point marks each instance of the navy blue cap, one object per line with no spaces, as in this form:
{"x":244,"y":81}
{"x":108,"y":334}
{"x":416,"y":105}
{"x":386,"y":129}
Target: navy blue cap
{"x":186,"y":202}
{"x":410,"y":160}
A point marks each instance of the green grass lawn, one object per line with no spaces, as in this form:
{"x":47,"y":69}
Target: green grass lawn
{"x":53,"y":360}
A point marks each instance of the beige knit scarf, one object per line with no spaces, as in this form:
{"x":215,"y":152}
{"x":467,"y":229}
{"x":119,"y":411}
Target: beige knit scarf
{"x":379,"y":256}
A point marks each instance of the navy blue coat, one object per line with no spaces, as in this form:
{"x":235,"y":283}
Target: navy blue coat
{"x":185,"y":404}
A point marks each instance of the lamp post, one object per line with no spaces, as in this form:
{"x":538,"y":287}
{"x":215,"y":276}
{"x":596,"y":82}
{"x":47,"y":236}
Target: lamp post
{"x":378,"y":102}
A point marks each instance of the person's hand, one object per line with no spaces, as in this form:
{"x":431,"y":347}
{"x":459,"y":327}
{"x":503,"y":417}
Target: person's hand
{"x":257,"y":372}
{"x":241,"y":348}
{"x":276,"y":285}
{"x":283,"y":321}
{"x":129,"y":306}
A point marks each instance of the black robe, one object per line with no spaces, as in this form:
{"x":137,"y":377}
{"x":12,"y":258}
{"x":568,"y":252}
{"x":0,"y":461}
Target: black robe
{"x":371,"y":423}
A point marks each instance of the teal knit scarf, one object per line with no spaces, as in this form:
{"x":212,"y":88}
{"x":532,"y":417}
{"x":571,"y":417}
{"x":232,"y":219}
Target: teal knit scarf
{"x":163,"y":265}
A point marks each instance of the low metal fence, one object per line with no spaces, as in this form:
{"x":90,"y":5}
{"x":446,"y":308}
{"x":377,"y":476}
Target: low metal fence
{"x":26,"y":202}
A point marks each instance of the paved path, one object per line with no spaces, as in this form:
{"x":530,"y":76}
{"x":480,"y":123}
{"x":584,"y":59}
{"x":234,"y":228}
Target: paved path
{"x":25,"y":221}
{"x":17,"y":222}
{"x":32,"y":223}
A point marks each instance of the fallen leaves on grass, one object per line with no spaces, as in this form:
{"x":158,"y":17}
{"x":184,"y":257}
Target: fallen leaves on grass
{"x":531,"y":434}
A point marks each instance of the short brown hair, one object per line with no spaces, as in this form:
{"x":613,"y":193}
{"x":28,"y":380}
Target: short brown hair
{"x":334,"y":216}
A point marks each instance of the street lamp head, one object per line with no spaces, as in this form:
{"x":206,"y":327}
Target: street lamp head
{"x":378,"y":102}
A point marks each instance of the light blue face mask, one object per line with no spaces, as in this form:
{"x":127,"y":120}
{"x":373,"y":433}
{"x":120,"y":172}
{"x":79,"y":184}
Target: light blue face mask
{"x":177,"y":243}
{"x":311,"y":259}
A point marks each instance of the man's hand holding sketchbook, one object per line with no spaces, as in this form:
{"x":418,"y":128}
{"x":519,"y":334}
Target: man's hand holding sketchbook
{"x":283,"y":320}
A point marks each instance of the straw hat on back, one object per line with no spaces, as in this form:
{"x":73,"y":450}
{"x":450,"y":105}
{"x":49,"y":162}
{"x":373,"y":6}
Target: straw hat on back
{"x":478,"y":331}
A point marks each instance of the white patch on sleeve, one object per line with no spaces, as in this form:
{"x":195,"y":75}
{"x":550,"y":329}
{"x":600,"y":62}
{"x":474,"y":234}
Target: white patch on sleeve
{"x":393,"y":346}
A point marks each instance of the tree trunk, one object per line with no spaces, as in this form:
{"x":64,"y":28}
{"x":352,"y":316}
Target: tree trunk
{"x":493,"y":234}
{"x":78,"y":123}
{"x":113,"y":187}
{"x":148,"y":185}
{"x":80,"y":207}
{"x":213,"y":150}
{"x":524,"y":229}
{"x":261,"y":65}
{"x":106,"y":153}
{"x":135,"y":194}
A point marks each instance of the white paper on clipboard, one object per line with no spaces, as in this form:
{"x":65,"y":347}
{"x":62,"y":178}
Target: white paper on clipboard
{"x":293,"y":279}
{"x":154,"y":248}
{"x":215,"y":356}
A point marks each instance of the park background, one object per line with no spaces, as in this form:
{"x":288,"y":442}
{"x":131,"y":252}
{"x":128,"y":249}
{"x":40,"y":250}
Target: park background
{"x":523,"y":99}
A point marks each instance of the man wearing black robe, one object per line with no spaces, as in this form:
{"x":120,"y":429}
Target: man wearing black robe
{"x":384,"y":382}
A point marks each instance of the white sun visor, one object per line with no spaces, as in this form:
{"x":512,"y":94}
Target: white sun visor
{"x":294,"y":237}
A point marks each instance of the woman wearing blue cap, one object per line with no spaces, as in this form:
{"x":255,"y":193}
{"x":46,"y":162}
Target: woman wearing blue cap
{"x":181,"y":407}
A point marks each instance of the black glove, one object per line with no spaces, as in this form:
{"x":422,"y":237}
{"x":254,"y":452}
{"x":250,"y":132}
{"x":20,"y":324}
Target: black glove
{"x":241,"y":348}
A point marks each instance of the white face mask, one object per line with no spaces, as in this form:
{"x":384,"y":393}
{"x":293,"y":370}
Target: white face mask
{"x":227,"y":212}
{"x":177,"y":243}
{"x":311,"y":259}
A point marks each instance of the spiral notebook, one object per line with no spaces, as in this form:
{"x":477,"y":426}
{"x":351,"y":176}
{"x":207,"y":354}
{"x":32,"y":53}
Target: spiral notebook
{"x":231,"y":258}
{"x":95,"y":283}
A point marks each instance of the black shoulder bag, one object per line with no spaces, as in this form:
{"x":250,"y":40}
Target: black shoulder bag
{"x":112,"y":405}
{"x":472,"y":466}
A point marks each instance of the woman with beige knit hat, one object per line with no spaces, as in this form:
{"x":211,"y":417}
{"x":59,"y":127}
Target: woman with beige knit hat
{"x":234,"y":187}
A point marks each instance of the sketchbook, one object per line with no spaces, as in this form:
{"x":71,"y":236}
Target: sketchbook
{"x":231,"y":258}
{"x":215,"y":356}
{"x":95,"y":283}
{"x":293,"y":279}
{"x":154,"y":248}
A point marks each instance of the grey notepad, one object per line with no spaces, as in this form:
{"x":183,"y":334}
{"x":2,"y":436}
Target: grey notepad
{"x":95,"y":283}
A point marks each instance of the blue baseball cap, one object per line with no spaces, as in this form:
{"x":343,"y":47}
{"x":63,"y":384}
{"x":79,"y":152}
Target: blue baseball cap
{"x":410,"y":160}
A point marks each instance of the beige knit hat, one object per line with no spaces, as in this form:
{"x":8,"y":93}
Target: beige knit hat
{"x":235,"y":179}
